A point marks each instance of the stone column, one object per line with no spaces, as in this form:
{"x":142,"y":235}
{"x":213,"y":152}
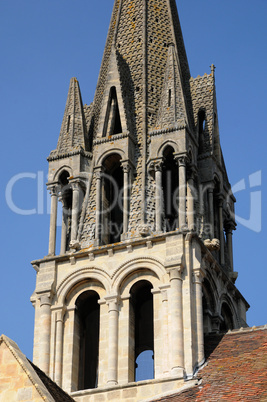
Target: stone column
{"x":64,"y":227}
{"x":53,"y":220}
{"x":113,"y":314}
{"x":98,"y":171}
{"x":177,"y":330}
{"x":126,"y":169}
{"x":222,"y":260}
{"x":211,"y":212}
{"x":191,"y":199}
{"x":165,"y":325}
{"x":158,"y":178}
{"x":59,"y":348}
{"x":198,"y":276}
{"x":229,"y":239}
{"x":45,"y":313}
{"x":182,"y":190}
{"x":75,"y":210}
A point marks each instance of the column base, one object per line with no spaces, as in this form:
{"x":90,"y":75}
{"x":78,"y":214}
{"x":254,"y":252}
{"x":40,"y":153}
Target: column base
{"x":177,"y":372}
{"x":112,"y":382}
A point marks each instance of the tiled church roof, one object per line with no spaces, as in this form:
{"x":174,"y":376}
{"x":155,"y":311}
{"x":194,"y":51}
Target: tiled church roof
{"x":236,"y":369}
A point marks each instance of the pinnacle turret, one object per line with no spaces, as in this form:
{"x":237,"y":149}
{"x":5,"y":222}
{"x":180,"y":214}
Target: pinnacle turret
{"x":73,"y":129}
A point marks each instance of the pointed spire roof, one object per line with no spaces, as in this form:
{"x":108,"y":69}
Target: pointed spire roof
{"x":172,"y":105}
{"x":73,"y":129}
{"x":141,"y":36}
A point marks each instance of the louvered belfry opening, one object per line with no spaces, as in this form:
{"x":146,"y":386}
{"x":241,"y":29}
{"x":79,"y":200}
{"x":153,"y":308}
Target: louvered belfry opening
{"x":112,"y":121}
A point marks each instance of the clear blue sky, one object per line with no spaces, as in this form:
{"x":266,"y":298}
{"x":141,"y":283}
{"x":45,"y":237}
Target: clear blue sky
{"x":45,"y":43}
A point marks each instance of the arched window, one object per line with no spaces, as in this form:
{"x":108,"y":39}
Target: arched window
{"x":112,"y":200}
{"x":87,"y":320}
{"x":208,"y":305}
{"x":112,"y":123}
{"x":66,"y":199}
{"x":227,"y":318}
{"x":216,"y":192}
{"x":70,"y":214}
{"x":201,"y":130}
{"x":142,"y":330}
{"x":170,"y":185}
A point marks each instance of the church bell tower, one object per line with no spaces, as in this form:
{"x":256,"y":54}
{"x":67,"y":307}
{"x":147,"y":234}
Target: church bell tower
{"x":142,"y":267}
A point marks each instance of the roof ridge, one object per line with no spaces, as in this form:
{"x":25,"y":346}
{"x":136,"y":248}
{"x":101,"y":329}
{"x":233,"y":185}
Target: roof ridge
{"x":246,"y":329}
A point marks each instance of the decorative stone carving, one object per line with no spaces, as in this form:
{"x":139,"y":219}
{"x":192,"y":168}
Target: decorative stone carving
{"x":212,"y":245}
{"x":75,"y":245}
{"x":144,"y":230}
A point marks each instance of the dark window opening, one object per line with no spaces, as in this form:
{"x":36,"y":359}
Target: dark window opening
{"x":88,"y":316}
{"x":143,"y":326}
{"x":201,"y":129}
{"x":216,"y":192}
{"x":227,"y":318}
{"x":208,"y":305}
{"x":170,"y":184}
{"x":201,"y":121}
{"x":66,"y":194}
{"x":170,"y":98}
{"x":112,"y":202}
{"x":68,"y":124}
{"x":112,"y":121}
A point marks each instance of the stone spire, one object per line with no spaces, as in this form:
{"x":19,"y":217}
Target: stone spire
{"x":172,"y":105}
{"x":141,"y":36}
{"x":73,"y":129}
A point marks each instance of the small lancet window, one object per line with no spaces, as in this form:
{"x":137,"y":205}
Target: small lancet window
{"x":68,"y":124}
{"x":112,"y":121}
{"x":170,"y":98}
{"x":227,"y":322}
{"x":170,"y":187}
{"x":201,"y":121}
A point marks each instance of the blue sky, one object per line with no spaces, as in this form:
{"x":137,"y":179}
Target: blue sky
{"x":45,"y":43}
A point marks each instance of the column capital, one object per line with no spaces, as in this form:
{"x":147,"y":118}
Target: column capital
{"x":230,"y":225}
{"x":45,"y":299}
{"x":210,"y":189}
{"x":126,"y":165}
{"x":181,"y":159}
{"x":155,"y":164}
{"x":98,"y":171}
{"x":53,"y":188}
{"x":112,"y":301}
{"x":75,"y":185}
{"x":62,"y":198}
{"x":198,"y":275}
{"x":176,"y":272}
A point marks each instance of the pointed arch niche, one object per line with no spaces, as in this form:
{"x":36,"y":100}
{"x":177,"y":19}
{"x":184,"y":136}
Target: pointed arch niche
{"x":112,"y":205}
{"x":70,"y":192}
{"x":170,"y":187}
{"x":112,"y":124}
{"x":201,"y":130}
{"x":112,"y":199}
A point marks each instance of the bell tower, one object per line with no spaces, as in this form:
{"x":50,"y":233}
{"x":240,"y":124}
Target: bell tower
{"x":145,"y":267}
